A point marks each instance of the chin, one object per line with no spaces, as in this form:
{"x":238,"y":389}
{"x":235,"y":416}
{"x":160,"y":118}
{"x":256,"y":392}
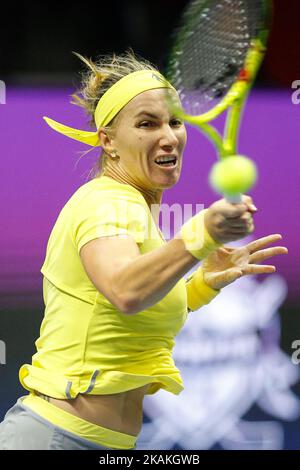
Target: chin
{"x":165,"y":181}
{"x":170,"y":185}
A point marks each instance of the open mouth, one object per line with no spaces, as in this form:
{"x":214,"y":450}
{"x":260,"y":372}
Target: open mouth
{"x":166,"y":161}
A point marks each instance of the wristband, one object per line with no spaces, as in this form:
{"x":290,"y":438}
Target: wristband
{"x":198,"y":292}
{"x":196,"y":237}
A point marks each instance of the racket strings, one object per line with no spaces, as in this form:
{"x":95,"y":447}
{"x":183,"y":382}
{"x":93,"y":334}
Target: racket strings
{"x":210,"y":50}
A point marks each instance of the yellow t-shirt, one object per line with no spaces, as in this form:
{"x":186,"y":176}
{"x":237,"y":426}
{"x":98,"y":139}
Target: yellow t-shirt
{"x":86,"y":345}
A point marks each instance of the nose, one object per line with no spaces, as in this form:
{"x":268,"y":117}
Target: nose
{"x":168,"y":137}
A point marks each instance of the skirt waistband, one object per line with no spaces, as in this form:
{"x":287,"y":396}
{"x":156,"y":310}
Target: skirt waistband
{"x":78,"y":426}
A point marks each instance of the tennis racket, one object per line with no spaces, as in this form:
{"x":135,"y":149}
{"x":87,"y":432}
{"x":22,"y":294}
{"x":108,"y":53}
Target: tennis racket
{"x":217,"y":51}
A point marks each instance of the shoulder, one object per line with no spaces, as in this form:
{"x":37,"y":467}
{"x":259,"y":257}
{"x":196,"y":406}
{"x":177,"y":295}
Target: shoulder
{"x":107,"y":208}
{"x":106,"y":200}
{"x":104,"y":189}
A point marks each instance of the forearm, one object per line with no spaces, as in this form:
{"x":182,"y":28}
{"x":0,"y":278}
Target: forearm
{"x":148,"y":278}
{"x":145,"y":280}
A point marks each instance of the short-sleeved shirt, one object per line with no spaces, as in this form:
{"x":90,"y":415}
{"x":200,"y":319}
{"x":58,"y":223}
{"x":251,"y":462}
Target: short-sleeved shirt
{"x":86,"y":345}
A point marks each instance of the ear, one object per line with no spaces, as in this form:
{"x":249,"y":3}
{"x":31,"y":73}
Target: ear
{"x":105,"y":140}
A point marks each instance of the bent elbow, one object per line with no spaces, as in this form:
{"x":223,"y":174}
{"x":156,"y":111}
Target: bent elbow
{"x":127,"y":305}
{"x":125,"y":299}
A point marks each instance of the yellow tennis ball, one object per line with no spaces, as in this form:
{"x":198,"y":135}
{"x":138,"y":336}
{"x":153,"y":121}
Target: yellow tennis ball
{"x":233,"y":175}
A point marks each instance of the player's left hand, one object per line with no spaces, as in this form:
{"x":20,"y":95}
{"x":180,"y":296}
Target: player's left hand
{"x":226,"y":264}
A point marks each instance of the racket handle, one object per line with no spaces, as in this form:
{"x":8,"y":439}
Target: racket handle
{"x":233,"y":199}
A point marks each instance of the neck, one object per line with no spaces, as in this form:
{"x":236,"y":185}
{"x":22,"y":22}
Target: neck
{"x":151,"y":196}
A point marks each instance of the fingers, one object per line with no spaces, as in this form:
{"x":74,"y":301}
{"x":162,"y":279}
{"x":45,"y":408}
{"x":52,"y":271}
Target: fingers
{"x":262,"y":242}
{"x":222,"y":279}
{"x":258,"y":269}
{"x":238,"y":218}
{"x":249,"y":202}
{"x":234,"y":236}
{"x":241,"y":232}
{"x":237,"y":210}
{"x":262,"y":255}
{"x":242,"y":221}
{"x":229,"y":222}
{"x":233,"y":211}
{"x":242,"y":226}
{"x":245,"y":227}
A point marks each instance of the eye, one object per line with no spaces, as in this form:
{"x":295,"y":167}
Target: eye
{"x":176,"y":122}
{"x":146,"y":124}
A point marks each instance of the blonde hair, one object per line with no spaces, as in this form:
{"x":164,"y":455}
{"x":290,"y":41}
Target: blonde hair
{"x":96,"y":80}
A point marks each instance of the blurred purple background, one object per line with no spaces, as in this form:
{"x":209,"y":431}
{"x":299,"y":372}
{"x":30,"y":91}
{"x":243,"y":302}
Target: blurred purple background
{"x":39,"y":174}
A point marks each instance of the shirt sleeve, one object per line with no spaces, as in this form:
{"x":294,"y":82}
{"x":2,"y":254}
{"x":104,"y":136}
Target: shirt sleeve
{"x":107,"y":214}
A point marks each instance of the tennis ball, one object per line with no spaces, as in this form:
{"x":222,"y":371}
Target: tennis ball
{"x":233,"y":175}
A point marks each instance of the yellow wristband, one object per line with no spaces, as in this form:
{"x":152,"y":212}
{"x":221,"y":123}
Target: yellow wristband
{"x":198,"y":292}
{"x":196,"y":238}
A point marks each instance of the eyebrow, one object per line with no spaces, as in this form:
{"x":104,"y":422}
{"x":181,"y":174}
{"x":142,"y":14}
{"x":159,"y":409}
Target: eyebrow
{"x":146,"y":113}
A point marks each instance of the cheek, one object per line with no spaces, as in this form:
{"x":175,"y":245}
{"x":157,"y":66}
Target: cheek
{"x":145,"y":146}
{"x":131,"y":148}
{"x":183,"y":138}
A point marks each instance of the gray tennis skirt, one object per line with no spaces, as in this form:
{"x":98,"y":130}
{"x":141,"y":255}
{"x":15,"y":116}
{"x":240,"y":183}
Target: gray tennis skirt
{"x":23,"y":429}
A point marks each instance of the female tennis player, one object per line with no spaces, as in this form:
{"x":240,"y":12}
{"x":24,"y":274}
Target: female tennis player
{"x":114,"y":289}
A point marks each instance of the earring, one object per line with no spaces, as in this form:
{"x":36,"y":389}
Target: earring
{"x":114,"y":154}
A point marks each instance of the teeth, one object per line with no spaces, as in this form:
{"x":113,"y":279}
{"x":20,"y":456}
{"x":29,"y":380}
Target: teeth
{"x":165,"y":159}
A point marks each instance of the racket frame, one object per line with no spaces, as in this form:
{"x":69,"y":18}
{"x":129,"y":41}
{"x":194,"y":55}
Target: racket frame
{"x":233,"y":101}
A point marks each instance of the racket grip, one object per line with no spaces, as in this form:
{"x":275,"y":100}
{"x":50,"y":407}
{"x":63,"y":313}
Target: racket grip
{"x":233,"y":198}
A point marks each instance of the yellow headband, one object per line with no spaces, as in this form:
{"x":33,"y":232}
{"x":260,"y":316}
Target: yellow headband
{"x":116,"y":97}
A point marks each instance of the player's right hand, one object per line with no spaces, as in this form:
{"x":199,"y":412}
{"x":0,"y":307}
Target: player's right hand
{"x":228,"y":222}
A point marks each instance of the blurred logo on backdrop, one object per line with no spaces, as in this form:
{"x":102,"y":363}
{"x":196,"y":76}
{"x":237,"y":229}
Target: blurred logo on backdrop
{"x":230,"y":359}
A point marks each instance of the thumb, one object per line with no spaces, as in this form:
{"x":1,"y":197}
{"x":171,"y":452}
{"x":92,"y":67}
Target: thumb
{"x":252,"y":208}
{"x":232,"y":274}
{"x":225,"y":278}
{"x":233,"y":211}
